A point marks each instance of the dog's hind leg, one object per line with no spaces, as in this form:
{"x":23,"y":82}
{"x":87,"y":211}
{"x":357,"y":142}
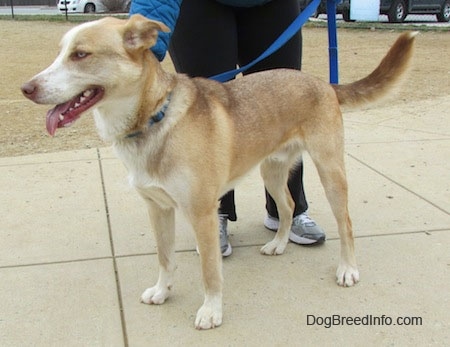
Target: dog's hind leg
{"x":162,"y":221}
{"x":275,"y":173}
{"x":329,"y":160}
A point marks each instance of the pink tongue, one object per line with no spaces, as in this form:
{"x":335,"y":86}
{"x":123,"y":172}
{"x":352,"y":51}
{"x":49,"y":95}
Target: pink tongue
{"x":52,"y":120}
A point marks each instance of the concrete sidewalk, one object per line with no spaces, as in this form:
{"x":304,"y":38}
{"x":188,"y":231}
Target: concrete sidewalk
{"x":76,"y":251}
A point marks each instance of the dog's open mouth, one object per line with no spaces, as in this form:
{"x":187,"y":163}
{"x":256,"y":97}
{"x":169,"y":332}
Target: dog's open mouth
{"x":63,"y":115}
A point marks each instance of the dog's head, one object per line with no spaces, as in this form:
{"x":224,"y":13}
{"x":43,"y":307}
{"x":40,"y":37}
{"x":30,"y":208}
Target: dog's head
{"x":97,"y":60}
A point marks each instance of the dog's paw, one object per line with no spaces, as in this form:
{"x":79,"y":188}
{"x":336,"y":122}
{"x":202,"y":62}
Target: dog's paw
{"x":273,"y":247}
{"x":155,"y":295}
{"x":347,"y":275}
{"x":209,"y":316}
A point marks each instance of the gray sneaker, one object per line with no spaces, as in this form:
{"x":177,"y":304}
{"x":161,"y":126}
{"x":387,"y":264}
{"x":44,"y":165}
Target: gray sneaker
{"x":304,"y":230}
{"x":225,"y":245}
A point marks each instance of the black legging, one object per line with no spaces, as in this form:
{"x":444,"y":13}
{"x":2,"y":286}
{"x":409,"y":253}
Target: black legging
{"x":211,"y":38}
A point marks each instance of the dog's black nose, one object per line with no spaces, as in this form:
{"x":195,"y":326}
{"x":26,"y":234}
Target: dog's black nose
{"x":29,"y":89}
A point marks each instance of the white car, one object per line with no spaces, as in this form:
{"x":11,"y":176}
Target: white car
{"x":84,"y":6}
{"x":87,"y":6}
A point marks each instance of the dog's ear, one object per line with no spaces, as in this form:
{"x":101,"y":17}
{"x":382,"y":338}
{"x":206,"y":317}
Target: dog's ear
{"x":142,"y":33}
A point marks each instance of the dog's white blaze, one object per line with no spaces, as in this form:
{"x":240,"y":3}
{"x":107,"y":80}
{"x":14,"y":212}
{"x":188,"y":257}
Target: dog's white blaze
{"x":69,"y":37}
{"x":53,"y":86}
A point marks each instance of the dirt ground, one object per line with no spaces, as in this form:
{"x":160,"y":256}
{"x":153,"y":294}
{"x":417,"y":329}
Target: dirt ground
{"x":28,"y":47}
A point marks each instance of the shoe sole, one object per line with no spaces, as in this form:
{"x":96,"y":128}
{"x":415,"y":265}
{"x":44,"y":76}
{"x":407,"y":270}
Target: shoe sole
{"x":227,"y":252}
{"x":300,"y":240}
{"x":303,"y":241}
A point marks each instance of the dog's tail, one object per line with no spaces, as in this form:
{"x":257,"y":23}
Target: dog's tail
{"x":383,"y":78}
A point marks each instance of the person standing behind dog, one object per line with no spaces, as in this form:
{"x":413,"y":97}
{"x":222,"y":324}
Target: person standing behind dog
{"x":213,"y":36}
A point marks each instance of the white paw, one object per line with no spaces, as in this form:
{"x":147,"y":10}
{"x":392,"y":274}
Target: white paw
{"x":209,"y":316}
{"x":155,"y":295}
{"x":274,"y":247}
{"x":347,"y":275}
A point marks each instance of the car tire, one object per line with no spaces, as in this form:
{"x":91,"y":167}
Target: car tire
{"x":444,"y":15}
{"x":89,"y":8}
{"x":398,"y":11}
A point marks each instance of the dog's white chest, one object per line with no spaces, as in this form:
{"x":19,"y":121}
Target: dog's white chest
{"x":150,"y":188}
{"x":168,"y":191}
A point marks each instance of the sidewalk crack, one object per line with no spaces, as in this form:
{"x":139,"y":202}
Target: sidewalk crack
{"x":111,"y":242}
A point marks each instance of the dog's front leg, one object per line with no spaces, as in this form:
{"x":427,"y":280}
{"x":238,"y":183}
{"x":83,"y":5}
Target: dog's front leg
{"x":207,"y":234}
{"x":162,"y":221}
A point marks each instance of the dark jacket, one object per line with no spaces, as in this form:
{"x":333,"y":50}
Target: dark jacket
{"x":167,"y":12}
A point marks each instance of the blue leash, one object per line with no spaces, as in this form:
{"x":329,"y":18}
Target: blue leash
{"x":332,"y":40}
{"x":293,"y":28}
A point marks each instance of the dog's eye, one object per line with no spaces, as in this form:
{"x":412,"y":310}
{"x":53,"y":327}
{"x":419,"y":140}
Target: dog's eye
{"x":78,"y":55}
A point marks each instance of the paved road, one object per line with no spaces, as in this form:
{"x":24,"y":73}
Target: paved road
{"x":29,"y":10}
{"x":412,"y":19}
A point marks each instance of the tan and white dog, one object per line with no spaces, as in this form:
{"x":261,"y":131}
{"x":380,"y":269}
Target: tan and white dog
{"x":210,"y":136}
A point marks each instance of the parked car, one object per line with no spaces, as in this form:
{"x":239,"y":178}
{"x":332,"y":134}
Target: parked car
{"x":340,"y":8}
{"x":397,"y":10}
{"x":83,"y":6}
{"x":88,"y":6}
